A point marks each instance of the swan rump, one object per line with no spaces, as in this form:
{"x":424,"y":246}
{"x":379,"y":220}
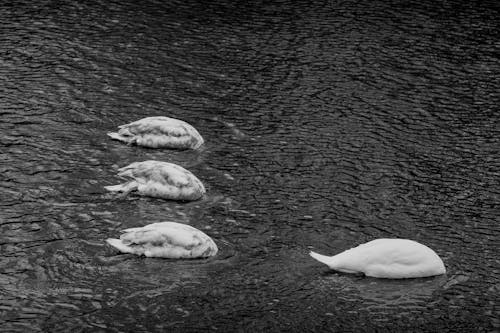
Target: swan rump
{"x":165,"y":240}
{"x":159,"y":132}
{"x":159,"y":179}
{"x":386,"y":258}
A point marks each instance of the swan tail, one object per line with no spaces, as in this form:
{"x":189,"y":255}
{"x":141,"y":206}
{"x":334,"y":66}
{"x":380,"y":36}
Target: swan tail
{"x":123,"y":138}
{"x":116,"y":136}
{"x":118,"y":244}
{"x":321,"y":258}
{"x":114,"y":188}
{"x":125,"y":188}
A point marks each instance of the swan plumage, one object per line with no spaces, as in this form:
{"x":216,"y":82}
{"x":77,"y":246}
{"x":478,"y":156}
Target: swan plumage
{"x":165,"y":240}
{"x":159,"y":179}
{"x":159,"y":132}
{"x":387,"y":258}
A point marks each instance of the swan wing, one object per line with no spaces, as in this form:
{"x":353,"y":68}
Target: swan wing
{"x":161,"y":172}
{"x":166,"y":239}
{"x":157,"y":132}
{"x":159,"y":126}
{"x":166,"y":233}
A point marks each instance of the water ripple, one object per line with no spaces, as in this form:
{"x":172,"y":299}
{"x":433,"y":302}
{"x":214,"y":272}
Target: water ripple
{"x":327,"y":125}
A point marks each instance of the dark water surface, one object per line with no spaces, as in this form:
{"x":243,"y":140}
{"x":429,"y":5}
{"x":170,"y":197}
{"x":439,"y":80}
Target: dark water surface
{"x":328,"y":124}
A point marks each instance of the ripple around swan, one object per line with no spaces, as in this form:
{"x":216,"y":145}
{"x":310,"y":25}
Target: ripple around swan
{"x":327,"y":125}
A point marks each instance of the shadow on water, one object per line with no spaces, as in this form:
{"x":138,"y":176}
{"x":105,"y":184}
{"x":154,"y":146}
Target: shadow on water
{"x":327,"y":124}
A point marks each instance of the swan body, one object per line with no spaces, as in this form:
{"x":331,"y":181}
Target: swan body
{"x":165,"y":240}
{"x":387,"y":258}
{"x":159,"y":132}
{"x":161,"y":180}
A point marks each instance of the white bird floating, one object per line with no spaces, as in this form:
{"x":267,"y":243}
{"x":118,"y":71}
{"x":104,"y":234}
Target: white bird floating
{"x":159,"y":132}
{"x":387,"y":258}
{"x":160,"y":180}
{"x":165,"y":240}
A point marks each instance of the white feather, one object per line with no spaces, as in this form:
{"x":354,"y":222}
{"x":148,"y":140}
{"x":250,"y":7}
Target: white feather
{"x":159,"y":132}
{"x":387,"y":258}
{"x":165,"y":240}
{"x":159,"y":179}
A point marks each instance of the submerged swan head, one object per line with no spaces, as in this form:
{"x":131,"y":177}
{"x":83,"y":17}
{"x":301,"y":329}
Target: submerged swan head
{"x":159,"y":132}
{"x":159,"y":179}
{"x":165,"y":240}
{"x":387,"y":258}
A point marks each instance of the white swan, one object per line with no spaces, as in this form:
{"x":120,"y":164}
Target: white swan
{"x":159,"y":132}
{"x":387,"y":258}
{"x":165,"y":240}
{"x":161,"y":180}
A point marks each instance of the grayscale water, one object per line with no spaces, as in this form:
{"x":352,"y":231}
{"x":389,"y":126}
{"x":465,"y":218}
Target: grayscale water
{"x":328,"y":124}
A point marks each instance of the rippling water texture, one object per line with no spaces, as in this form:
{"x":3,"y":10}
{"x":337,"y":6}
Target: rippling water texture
{"x":328,"y":124}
